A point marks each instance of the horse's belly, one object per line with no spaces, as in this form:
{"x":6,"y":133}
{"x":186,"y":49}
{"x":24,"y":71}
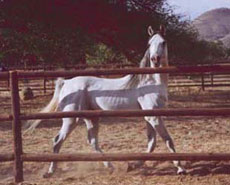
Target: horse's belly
{"x":111,"y":103}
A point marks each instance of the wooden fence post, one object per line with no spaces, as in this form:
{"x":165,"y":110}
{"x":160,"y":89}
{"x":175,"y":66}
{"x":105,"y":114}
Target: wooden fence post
{"x":203,"y":82}
{"x":212,"y":79}
{"x":44,"y":81}
{"x":16,"y":127}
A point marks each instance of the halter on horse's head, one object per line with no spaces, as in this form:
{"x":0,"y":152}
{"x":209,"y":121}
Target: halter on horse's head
{"x":157,"y":47}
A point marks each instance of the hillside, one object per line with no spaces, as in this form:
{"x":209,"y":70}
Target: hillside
{"x":214,"y":25}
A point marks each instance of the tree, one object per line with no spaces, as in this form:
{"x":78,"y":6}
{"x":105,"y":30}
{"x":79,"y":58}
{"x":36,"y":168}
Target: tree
{"x":66,"y":31}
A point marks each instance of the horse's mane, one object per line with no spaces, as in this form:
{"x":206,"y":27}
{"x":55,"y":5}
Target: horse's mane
{"x":135,"y":79}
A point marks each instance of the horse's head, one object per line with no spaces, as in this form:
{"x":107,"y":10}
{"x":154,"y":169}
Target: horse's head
{"x":157,"y":48}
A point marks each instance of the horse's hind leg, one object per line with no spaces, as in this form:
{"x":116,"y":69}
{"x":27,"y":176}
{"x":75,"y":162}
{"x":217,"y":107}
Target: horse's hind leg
{"x":68,"y":125}
{"x":157,"y":123}
{"x":93,"y":129}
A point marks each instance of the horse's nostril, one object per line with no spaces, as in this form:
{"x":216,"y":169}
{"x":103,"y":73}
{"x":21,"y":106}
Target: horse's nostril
{"x":158,"y":59}
{"x":157,"y":64}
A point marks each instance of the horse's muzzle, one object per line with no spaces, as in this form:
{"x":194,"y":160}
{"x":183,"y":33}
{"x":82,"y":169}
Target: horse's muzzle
{"x":156,"y":61}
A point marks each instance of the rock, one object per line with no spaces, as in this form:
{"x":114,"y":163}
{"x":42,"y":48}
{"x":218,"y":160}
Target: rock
{"x":26,"y":93}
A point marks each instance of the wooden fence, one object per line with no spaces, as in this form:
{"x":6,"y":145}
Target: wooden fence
{"x":19,"y":157}
{"x":209,"y":79}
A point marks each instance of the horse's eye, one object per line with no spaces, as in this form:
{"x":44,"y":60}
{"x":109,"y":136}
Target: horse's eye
{"x":164,"y":43}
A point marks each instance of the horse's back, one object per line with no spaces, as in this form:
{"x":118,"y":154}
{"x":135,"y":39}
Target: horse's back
{"x":97,"y":93}
{"x":108,"y":94}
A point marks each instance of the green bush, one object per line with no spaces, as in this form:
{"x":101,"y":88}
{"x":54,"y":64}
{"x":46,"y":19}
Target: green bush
{"x":102,"y":54}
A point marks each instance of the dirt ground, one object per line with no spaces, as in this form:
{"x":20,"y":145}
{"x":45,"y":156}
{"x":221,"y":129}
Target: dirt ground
{"x":123,"y":135}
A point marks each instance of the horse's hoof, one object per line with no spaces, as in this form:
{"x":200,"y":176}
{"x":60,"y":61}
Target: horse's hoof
{"x":47,"y":175}
{"x":181,"y":171}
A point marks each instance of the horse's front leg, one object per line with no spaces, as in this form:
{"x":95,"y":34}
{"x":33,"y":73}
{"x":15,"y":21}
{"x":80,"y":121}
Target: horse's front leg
{"x":151,"y":136}
{"x":158,"y":125}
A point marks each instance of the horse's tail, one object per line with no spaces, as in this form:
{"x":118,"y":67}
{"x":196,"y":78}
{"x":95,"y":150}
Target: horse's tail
{"x":51,"y":107}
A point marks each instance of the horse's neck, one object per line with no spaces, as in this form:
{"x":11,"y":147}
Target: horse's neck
{"x":161,"y":79}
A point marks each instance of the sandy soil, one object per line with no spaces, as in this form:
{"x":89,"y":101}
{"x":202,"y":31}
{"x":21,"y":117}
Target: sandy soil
{"x":190,"y":134}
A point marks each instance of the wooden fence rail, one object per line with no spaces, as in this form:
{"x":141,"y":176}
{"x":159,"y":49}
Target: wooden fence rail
{"x":4,"y":75}
{"x":210,"y":70}
{"x":6,"y":117}
{"x":18,"y":157}
{"x":131,"y":113}
{"x":171,"y":70}
{"x":127,"y":157}
{"x":6,"y":157}
{"x":28,"y":157}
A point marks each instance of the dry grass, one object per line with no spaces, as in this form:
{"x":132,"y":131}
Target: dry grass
{"x":190,"y":134}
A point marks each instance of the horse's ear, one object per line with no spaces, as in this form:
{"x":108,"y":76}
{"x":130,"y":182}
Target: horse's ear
{"x":150,"y":31}
{"x":162,"y":30}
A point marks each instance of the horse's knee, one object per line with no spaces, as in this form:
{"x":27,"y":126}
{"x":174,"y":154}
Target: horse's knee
{"x":170,"y":145}
{"x":56,"y":147}
{"x":57,"y":141}
{"x":93,"y":143}
{"x":150,"y":119}
{"x":149,"y":136}
{"x":169,"y":141}
{"x":92,"y":131}
{"x":153,"y":121}
{"x":151,"y":141}
{"x":150,"y":132}
{"x":151,"y":145}
{"x":89,"y":135}
{"x":56,"y":138}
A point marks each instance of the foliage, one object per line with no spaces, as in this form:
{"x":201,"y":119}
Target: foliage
{"x":102,"y":54}
{"x":74,"y":31}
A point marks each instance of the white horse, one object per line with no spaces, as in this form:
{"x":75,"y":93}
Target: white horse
{"x":129,"y":92}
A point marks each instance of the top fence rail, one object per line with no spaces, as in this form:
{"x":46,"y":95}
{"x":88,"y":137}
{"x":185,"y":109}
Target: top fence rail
{"x":95,"y":72}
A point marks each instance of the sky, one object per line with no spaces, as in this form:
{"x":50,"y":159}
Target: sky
{"x":193,"y":8}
